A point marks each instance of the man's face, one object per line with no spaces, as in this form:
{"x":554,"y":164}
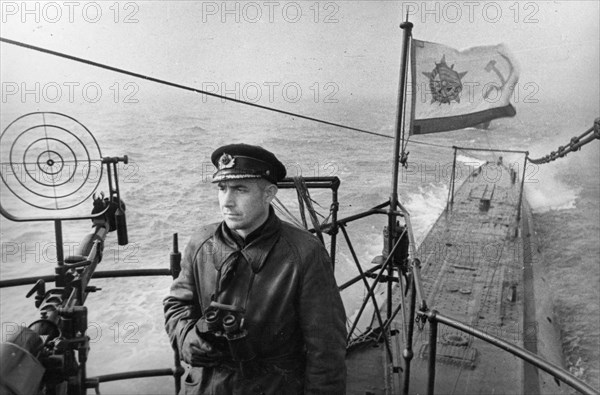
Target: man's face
{"x":245,"y":203}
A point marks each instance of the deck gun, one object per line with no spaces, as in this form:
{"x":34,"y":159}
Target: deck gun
{"x":49,"y":356}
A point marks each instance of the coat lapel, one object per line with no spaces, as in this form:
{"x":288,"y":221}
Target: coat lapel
{"x":256,"y":252}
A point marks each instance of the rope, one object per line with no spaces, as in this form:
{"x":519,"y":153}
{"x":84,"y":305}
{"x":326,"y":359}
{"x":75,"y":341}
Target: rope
{"x":431,"y":144}
{"x":304,"y":199}
{"x":280,"y":207}
{"x":301,"y":206}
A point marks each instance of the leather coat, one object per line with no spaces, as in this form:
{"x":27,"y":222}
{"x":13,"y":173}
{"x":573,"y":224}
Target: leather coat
{"x":281,"y":278}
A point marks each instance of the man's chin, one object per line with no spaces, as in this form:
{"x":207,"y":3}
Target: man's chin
{"x":233,"y":224}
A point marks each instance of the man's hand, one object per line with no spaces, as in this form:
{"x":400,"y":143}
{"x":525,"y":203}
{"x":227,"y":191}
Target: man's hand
{"x":198,"y":350}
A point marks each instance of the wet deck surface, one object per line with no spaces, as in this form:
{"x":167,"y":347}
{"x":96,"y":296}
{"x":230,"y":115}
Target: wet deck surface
{"x":471,"y":271}
{"x":366,"y":373}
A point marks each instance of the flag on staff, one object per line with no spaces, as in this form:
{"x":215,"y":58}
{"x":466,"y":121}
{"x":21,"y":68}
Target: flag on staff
{"x":454,"y":89}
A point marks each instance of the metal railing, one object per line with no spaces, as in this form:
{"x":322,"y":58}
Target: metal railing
{"x":559,"y":373}
{"x":415,"y":286}
{"x":177,"y":371}
{"x":414,"y":290}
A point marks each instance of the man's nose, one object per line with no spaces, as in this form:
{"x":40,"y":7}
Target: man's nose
{"x":228,"y":200}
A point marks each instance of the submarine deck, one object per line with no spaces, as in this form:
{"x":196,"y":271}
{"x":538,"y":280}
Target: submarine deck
{"x":472,"y":271}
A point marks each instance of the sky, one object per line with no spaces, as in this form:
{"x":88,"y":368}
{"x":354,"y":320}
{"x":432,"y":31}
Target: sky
{"x":264,"y":45}
{"x":342,"y":50}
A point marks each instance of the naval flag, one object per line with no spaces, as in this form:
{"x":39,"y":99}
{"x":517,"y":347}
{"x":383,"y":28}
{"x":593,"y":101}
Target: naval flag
{"x":454,"y":89}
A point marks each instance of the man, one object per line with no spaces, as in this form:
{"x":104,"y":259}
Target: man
{"x":274,"y":279}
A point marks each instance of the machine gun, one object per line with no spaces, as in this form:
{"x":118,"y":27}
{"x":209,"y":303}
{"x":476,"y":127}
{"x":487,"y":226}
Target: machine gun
{"x":49,"y":356}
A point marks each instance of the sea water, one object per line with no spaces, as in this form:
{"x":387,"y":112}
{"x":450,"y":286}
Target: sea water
{"x":167,"y":189}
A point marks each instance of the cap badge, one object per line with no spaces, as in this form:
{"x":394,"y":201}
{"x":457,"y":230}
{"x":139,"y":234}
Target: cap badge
{"x":226,"y":161}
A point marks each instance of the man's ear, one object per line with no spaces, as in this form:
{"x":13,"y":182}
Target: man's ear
{"x":271,"y":191}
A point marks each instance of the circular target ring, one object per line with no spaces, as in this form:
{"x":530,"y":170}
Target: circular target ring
{"x":54,"y":182}
{"x":47,"y":161}
{"x":54,"y":159}
{"x":50,"y":162}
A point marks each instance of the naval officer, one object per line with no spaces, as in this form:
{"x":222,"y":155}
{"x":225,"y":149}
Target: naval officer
{"x":256,"y":309}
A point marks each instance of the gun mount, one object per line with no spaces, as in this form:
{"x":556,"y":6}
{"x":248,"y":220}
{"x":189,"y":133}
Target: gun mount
{"x":44,"y":150}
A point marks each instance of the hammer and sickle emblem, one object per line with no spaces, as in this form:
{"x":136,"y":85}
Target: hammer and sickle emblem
{"x":491,"y":66}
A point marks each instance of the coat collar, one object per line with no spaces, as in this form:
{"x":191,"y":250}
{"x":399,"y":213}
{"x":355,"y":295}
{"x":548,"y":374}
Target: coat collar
{"x":255,"y":252}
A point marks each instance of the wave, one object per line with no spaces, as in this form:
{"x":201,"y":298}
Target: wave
{"x":193,"y":129}
{"x":425,"y":206}
{"x":545,"y":190}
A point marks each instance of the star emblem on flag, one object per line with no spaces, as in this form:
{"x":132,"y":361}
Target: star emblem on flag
{"x":445,"y":83}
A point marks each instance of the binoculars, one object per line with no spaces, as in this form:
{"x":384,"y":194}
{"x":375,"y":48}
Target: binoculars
{"x":223,"y":320}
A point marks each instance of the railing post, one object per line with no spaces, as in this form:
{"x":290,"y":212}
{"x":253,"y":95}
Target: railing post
{"x":175,"y":268}
{"x":433,"y":328}
{"x":522,"y":186}
{"x":408,"y":353}
{"x":450,"y":199}
{"x":453,"y":180}
{"x":334,"y":223}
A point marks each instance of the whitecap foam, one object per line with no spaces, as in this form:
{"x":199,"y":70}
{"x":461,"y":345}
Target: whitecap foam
{"x":545,"y":191}
{"x":425,"y":206}
{"x":476,"y":163}
{"x":548,"y":199}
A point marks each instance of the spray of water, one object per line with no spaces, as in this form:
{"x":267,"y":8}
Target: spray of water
{"x":556,"y":185}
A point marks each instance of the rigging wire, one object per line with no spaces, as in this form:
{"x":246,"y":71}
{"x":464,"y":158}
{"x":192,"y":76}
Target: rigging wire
{"x":575,"y":144}
{"x":188,"y":88}
{"x":285,"y":212}
{"x":184,"y":87}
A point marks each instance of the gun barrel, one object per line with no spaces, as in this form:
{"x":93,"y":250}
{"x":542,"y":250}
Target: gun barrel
{"x":85,"y":247}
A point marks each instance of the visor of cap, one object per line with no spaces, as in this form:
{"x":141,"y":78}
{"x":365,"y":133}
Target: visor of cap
{"x":242,"y":161}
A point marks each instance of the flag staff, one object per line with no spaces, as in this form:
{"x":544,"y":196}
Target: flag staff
{"x":406,"y":26}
